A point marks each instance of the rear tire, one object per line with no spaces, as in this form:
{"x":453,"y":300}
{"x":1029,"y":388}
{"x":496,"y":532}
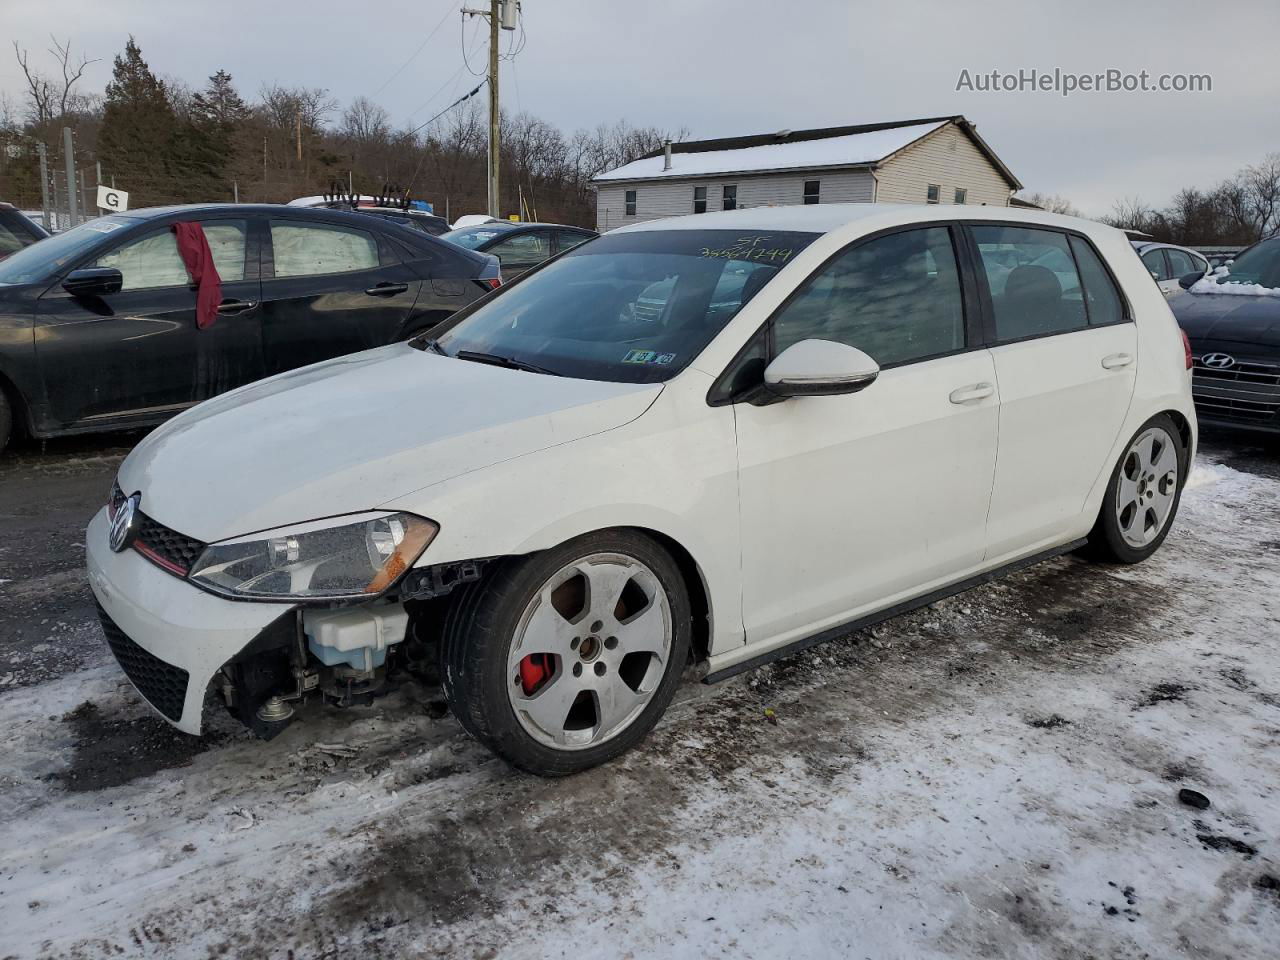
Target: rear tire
{"x":1142,"y":495}
{"x":565,"y":659}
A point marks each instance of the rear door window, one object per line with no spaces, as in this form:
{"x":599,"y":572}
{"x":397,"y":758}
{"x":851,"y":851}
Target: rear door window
{"x":1154,"y":262}
{"x":523,"y":251}
{"x":1180,"y":263}
{"x":1034,"y":284}
{"x":897,"y":298}
{"x":314,"y":249}
{"x":1102,"y":299}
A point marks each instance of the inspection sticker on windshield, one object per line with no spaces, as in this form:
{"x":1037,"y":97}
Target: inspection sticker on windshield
{"x":648,"y":356}
{"x":105,"y":227}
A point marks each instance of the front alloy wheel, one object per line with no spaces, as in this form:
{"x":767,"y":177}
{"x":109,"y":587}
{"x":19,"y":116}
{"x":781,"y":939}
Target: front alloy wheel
{"x":564,"y":659}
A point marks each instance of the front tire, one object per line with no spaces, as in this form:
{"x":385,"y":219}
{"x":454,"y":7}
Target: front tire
{"x":1142,"y":495}
{"x":567,"y":658}
{"x":6,"y":420}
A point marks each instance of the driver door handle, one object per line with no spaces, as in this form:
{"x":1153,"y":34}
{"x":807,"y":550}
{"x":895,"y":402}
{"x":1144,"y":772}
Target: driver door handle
{"x":1116,"y":361}
{"x":975,"y":391}
{"x":229,"y":307}
{"x":387,"y":289}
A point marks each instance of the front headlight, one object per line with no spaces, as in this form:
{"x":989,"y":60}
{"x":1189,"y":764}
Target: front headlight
{"x":342,"y":557}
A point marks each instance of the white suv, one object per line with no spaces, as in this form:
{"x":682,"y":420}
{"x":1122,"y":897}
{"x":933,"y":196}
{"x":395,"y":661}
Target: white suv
{"x":824,"y":415}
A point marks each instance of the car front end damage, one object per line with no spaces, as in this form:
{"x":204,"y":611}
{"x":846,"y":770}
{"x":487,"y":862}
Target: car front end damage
{"x":179,"y":643}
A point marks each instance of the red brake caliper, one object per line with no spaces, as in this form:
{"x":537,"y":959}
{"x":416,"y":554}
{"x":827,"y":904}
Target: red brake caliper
{"x":535,"y":670}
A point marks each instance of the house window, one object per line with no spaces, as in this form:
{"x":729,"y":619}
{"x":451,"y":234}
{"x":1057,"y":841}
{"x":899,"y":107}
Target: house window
{"x":812,"y":189}
{"x":932,"y":194}
{"x":631,"y":203}
{"x":730,"y":198}
{"x":699,"y":199}
{"x":962,"y":195}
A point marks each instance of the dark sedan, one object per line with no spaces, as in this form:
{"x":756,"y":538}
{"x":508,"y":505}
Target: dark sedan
{"x":17,"y":230}
{"x":520,"y":246}
{"x":98,"y":325}
{"x":1232,"y":320}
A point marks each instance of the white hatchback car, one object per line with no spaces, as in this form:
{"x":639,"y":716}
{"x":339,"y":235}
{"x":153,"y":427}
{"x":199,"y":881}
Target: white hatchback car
{"x":818,"y":417}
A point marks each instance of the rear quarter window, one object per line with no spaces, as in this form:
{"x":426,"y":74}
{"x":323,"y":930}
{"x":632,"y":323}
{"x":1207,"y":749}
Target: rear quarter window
{"x":1102,"y":298}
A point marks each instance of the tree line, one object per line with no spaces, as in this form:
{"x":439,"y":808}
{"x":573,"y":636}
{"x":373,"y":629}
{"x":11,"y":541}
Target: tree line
{"x":165,"y":142}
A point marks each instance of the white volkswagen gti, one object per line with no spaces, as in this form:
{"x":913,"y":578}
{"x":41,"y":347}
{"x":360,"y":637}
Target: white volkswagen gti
{"x":707,"y":440}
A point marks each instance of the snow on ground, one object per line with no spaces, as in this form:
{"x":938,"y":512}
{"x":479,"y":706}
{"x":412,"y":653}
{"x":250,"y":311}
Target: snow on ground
{"x":994,"y":776}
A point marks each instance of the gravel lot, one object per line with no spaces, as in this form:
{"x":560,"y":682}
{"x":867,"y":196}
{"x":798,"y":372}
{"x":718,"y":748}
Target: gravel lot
{"x":997,"y":775}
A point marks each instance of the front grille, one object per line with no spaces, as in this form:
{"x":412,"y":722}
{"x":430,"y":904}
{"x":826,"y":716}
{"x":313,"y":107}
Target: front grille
{"x":1245,"y":392}
{"x":179,"y":551}
{"x":163,"y":684}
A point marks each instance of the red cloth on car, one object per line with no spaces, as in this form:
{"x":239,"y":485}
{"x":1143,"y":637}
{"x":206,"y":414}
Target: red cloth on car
{"x":193,"y":247}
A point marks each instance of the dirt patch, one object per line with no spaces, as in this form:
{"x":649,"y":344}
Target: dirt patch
{"x":1162,"y":693}
{"x":1049,"y":722}
{"x":110,"y":751}
{"x":1218,"y":841}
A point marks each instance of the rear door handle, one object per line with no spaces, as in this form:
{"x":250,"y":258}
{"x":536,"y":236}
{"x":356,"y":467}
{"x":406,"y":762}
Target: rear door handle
{"x":387,"y":289}
{"x":975,"y":391}
{"x":1116,"y":361}
{"x":229,"y":307}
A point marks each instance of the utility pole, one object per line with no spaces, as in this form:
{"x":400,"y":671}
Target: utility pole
{"x":494,"y":114}
{"x":503,"y":15}
{"x":69,"y":156}
{"x":44,"y":186}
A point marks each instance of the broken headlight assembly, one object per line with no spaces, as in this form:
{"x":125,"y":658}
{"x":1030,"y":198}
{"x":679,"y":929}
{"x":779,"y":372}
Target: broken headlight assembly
{"x":341,"y":558}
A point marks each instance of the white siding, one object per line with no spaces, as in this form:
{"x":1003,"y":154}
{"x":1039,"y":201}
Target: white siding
{"x":674,"y":198}
{"x":948,"y":158}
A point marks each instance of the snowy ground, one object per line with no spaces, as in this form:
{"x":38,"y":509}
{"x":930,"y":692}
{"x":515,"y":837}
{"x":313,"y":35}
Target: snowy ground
{"x":996,"y":776}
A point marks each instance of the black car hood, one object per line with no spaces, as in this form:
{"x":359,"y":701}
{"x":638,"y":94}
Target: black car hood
{"x":1235,"y":319}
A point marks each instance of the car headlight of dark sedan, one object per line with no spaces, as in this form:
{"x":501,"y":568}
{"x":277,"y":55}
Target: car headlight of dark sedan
{"x":351,"y":557}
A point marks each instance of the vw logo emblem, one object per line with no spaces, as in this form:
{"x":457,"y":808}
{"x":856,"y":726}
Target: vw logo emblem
{"x":124,"y":523}
{"x":1219,"y":361}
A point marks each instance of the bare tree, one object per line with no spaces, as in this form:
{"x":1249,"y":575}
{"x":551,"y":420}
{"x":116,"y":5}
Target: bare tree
{"x":1053,"y":203}
{"x":50,"y":99}
{"x":1263,"y":183}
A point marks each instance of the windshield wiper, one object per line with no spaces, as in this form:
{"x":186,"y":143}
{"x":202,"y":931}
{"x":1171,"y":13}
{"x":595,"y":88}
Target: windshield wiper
{"x":511,"y":363}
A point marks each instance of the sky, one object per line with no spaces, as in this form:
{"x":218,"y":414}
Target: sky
{"x":725,"y":68}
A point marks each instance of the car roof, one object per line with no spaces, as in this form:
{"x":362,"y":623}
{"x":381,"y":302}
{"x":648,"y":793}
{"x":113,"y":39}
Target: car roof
{"x":508,"y":225}
{"x":1142,"y":246}
{"x":829,"y":217}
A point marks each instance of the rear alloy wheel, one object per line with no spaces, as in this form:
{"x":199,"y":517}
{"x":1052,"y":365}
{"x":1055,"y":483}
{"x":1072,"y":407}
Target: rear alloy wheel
{"x":1142,"y":496}
{"x":564,"y":659}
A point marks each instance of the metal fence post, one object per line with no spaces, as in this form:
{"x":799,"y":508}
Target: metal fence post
{"x":44,"y":187}
{"x":69,"y":155}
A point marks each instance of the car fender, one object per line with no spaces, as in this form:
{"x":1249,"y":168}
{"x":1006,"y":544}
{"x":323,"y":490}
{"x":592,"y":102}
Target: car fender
{"x":666,"y":472}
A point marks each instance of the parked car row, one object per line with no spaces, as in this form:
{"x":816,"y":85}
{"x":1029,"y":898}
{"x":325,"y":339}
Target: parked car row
{"x":717,"y":438}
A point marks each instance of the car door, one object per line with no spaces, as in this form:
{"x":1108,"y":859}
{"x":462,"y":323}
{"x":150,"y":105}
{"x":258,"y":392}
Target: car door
{"x":521,"y":252}
{"x":139,"y":353}
{"x":1066,"y":355}
{"x":330,"y":288}
{"x":849,"y":503}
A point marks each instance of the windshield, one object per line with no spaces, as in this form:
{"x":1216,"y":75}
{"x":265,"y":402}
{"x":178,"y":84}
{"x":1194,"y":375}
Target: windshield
{"x":43,"y":259}
{"x":474,"y":237}
{"x":627,"y":307}
{"x":1259,"y":264}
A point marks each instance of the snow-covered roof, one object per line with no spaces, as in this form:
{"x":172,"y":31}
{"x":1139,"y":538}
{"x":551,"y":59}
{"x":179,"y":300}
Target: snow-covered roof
{"x":849,"y":150}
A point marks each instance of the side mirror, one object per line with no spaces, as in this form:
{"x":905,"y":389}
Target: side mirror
{"x":819,"y":368}
{"x":93,"y":282}
{"x":1187,"y":281}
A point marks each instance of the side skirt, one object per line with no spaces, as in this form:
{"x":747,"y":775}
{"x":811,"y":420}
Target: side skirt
{"x":906,"y":606}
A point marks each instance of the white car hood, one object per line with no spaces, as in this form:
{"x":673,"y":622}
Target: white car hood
{"x":353,"y":433}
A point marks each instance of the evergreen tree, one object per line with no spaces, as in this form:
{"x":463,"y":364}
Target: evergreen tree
{"x":139,"y":140}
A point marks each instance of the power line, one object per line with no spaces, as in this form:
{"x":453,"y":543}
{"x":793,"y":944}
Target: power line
{"x":414,"y":55}
{"x":466,"y":96}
